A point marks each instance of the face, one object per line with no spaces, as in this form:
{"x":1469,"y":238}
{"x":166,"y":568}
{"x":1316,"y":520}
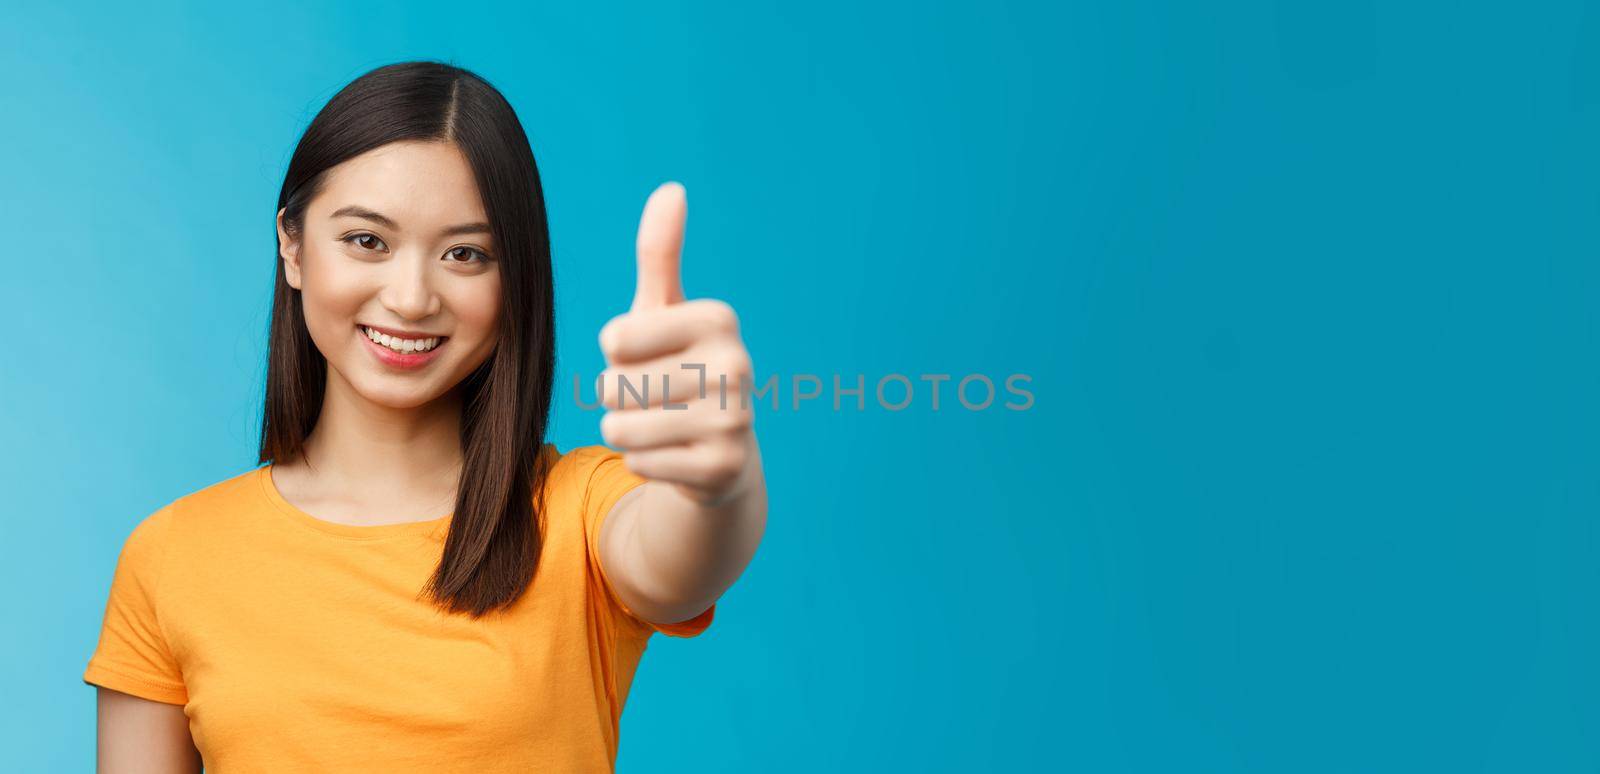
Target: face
{"x":397,"y":242}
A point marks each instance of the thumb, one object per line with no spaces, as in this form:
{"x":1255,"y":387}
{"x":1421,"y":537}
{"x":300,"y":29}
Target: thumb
{"x":659,"y":247}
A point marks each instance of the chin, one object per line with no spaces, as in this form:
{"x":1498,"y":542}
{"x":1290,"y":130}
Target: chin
{"x":382,"y":392}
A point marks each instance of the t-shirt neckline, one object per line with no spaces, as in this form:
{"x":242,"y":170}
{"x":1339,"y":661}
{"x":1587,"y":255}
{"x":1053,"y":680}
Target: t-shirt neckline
{"x":351,"y":531}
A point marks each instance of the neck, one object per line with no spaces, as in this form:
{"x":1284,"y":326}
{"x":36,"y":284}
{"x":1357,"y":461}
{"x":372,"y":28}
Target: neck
{"x":384,"y":448}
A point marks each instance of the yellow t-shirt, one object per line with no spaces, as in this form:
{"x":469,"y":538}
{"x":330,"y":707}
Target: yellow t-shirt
{"x":298,"y":644}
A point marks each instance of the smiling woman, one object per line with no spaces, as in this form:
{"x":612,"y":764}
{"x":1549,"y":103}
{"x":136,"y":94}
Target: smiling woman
{"x":415,"y":580}
{"x":399,"y":268}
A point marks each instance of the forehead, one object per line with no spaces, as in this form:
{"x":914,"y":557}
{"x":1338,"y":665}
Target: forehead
{"x":417,"y":184}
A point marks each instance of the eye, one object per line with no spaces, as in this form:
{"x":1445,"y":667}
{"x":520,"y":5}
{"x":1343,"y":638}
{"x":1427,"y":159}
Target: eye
{"x":468,"y":253}
{"x":356,"y":239}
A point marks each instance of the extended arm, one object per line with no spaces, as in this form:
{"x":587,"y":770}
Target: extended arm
{"x":672,"y":545}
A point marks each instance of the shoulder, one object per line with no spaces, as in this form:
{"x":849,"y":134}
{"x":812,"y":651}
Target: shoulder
{"x":587,"y":480}
{"x":576,"y":467}
{"x":200,"y":511}
{"x":144,"y":545}
{"x":577,"y":456}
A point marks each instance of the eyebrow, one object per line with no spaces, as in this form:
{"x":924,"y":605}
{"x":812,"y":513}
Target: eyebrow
{"x":357,"y":211}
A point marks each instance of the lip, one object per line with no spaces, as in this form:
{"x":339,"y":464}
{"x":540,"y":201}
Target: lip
{"x":395,"y":359}
{"x":404,"y":334}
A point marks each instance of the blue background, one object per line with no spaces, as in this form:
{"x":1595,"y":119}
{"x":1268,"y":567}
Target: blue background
{"x":1306,"y":291}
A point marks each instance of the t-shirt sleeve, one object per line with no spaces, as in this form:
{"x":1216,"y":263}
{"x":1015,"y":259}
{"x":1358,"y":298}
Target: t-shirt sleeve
{"x":608,"y":480}
{"x":133,"y":655}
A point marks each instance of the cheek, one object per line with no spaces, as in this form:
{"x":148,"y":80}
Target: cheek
{"x":330,"y":294}
{"x":478,"y":309}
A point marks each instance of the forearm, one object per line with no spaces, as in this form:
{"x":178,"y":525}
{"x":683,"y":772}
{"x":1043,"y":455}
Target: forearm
{"x":689,"y":552}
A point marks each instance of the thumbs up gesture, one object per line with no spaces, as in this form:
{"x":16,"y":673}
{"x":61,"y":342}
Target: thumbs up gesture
{"x":676,"y":371}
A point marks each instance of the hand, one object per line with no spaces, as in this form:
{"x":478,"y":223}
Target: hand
{"x":698,"y":436}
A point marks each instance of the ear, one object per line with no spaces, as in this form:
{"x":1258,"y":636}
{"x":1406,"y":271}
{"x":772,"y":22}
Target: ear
{"x":289,"y":251}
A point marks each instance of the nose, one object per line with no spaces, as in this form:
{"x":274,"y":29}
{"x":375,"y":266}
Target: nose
{"x":408,"y":289}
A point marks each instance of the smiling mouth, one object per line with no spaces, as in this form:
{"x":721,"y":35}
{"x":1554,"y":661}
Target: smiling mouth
{"x":403,"y":346}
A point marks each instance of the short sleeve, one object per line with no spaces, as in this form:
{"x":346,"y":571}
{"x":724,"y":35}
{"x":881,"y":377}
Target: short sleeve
{"x":608,"y":480}
{"x":133,"y":655}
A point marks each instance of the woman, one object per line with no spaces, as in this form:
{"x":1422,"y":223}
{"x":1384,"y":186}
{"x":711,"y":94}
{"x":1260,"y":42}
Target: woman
{"x":316,"y":612}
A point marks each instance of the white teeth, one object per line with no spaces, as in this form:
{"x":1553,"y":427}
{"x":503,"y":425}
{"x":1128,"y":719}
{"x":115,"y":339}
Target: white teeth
{"x":401,"y":345}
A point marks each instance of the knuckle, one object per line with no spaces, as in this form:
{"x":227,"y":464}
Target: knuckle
{"x":736,"y":363}
{"x":726,"y":463}
{"x":606,"y":389}
{"x":612,"y":429}
{"x":720,"y":314}
{"x":611,"y":335}
{"x":730,"y":420}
